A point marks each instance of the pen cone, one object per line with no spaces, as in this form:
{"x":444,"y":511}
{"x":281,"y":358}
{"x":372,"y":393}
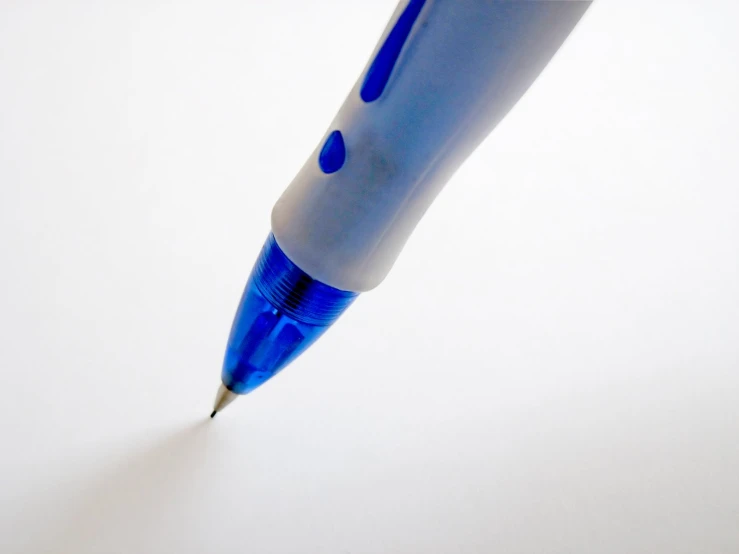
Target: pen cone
{"x":223,"y":398}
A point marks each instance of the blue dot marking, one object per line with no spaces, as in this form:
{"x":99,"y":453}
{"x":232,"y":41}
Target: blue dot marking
{"x":383,"y":64}
{"x":333,"y":153}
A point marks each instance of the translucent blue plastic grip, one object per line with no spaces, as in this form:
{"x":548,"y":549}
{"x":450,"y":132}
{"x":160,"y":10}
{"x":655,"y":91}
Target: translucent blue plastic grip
{"x":282,"y":312}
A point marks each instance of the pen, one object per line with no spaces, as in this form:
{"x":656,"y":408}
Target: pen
{"x":443,"y":75}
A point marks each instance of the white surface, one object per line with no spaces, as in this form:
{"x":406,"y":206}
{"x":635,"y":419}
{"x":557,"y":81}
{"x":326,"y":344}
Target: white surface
{"x":578,"y":393}
{"x":463,"y":67}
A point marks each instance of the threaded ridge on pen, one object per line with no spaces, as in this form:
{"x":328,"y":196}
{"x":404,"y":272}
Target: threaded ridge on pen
{"x":292,"y":291}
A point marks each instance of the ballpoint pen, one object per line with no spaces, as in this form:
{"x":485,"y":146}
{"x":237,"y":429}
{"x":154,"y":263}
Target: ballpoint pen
{"x":443,"y":75}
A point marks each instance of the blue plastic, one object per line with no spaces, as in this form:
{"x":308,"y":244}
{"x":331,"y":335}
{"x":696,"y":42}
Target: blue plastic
{"x":332,"y":156}
{"x":282,"y":312}
{"x":384,"y":62}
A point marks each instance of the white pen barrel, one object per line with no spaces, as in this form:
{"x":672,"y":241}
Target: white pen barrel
{"x":442,"y":77}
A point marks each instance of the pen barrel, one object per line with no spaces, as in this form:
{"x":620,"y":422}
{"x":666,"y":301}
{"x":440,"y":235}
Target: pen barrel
{"x":442,"y":76}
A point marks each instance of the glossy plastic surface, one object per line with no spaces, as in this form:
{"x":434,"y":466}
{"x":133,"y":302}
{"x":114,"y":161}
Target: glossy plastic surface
{"x":333,"y":153}
{"x":382,"y":66}
{"x":443,"y":75}
{"x":282,"y":312}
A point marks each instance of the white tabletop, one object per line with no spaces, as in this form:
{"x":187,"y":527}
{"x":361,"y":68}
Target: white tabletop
{"x":551,"y":367}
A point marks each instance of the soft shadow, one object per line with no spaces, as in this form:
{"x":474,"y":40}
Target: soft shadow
{"x":129,"y":505}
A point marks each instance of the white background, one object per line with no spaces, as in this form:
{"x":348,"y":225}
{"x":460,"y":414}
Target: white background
{"x":552,"y":365}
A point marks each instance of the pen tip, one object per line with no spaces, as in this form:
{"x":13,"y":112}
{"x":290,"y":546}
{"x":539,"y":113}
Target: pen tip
{"x":223,"y":399}
{"x":213,"y":414}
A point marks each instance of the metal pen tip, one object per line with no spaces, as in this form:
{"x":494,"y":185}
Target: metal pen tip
{"x":223,"y":399}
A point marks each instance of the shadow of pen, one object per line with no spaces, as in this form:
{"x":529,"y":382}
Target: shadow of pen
{"x":136,"y":505}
